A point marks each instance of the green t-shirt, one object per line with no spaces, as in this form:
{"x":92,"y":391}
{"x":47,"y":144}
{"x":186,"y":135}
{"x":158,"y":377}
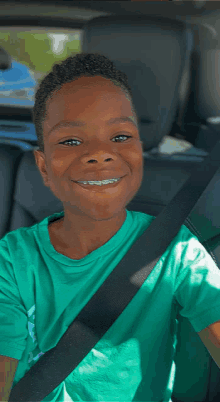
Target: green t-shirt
{"x":42,"y":291}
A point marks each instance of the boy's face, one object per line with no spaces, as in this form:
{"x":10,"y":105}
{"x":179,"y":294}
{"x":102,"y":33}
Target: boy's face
{"x":91,"y":151}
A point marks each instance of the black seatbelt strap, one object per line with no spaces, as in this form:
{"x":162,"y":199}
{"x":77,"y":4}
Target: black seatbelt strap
{"x":117,"y":290}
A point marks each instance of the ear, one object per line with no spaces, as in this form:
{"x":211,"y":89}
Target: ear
{"x":41,"y":164}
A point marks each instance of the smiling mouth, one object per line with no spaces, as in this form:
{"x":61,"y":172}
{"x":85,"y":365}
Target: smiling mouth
{"x":103,"y":184}
{"x":99,"y":182}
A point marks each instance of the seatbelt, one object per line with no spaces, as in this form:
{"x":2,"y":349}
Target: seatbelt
{"x":117,"y":291}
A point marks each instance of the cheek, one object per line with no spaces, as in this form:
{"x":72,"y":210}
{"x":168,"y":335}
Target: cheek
{"x":59,"y":162}
{"x":135,"y":159}
{"x":138,"y":166}
{"x":57,"y":167}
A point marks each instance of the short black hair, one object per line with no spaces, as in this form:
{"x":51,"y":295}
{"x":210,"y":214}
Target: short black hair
{"x":70,"y":69}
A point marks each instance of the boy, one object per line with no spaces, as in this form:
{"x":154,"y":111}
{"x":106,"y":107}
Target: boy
{"x":90,"y":157}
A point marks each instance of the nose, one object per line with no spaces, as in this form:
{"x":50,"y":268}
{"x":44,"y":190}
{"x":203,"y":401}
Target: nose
{"x":98,"y":157}
{"x":99,"y":154}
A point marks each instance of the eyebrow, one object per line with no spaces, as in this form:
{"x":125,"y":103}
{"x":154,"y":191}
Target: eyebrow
{"x":79,"y":123}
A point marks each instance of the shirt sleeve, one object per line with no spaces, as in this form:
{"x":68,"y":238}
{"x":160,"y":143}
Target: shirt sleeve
{"x":197,"y":287}
{"x":13,"y":315}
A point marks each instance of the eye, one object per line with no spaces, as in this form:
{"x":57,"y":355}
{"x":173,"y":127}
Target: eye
{"x":71,"y":139}
{"x":128,"y":136}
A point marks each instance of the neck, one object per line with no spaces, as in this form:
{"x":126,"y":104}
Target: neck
{"x":81,"y":234}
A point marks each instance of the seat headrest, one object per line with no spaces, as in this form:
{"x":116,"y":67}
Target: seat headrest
{"x":152,"y":52}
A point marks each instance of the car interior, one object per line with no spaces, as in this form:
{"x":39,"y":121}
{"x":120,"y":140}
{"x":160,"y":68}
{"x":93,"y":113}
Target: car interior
{"x":170,"y":51}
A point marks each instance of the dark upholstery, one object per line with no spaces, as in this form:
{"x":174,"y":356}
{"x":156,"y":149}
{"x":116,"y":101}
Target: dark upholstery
{"x":153,"y":53}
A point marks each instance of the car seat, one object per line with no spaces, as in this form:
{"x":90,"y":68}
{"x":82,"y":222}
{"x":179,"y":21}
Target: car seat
{"x":200,"y":116}
{"x":26,"y":200}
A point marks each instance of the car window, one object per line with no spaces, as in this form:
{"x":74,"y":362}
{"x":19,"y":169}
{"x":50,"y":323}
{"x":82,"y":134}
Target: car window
{"x":26,"y":56}
{"x":33,"y":52}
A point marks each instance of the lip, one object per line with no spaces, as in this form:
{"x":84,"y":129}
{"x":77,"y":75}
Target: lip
{"x":94,"y":187}
{"x":106,"y":178}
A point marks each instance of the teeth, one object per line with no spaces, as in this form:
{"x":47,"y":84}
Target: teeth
{"x":99,"y":183}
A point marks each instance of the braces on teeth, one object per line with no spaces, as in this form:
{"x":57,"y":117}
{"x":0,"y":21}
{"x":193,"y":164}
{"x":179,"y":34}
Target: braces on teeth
{"x":99,"y":183}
